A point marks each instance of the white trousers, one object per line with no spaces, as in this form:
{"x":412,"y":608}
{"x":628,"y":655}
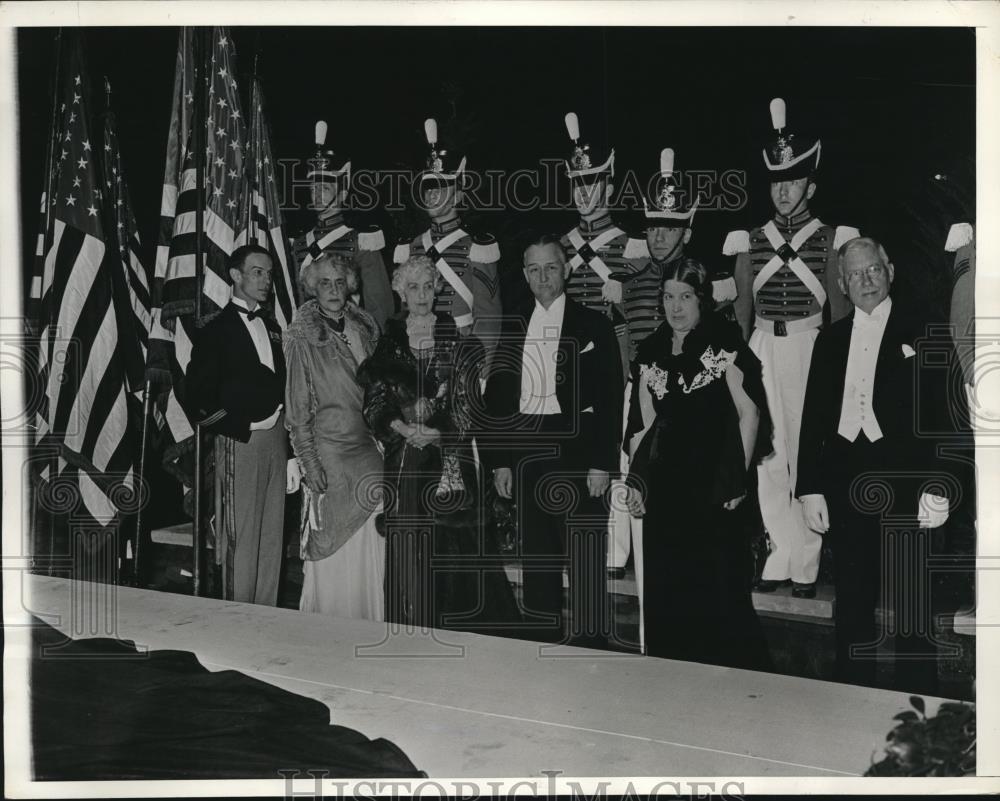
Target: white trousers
{"x":621,"y":538}
{"x":625,"y":531}
{"x":795,"y":548}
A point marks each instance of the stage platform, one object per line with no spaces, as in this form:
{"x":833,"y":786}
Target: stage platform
{"x":463,"y":705}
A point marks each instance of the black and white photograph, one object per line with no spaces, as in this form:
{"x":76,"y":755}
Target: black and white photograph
{"x":468,"y":398}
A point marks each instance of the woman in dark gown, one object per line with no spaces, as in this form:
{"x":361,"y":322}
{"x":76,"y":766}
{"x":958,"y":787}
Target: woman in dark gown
{"x":422,"y":396}
{"x":698,"y":421}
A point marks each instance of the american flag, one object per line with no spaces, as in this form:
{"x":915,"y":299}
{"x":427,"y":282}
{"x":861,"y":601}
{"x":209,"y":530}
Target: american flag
{"x":125,"y":238}
{"x":88,"y":341}
{"x":225,"y":141}
{"x":261,"y":218}
{"x":175,"y":280}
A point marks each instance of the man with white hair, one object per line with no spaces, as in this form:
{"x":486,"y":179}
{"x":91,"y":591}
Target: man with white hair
{"x":868,"y":472}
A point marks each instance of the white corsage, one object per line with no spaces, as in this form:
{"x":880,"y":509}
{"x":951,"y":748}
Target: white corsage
{"x":655,"y":378}
{"x":715,"y":365}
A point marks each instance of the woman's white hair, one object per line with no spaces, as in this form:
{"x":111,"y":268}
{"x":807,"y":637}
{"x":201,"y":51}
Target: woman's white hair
{"x":309,"y":276}
{"x":413,"y":266}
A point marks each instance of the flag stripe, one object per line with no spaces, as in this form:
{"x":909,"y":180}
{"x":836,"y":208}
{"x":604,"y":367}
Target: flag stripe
{"x":93,"y":302}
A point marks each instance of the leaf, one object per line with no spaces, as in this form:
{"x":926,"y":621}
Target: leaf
{"x":909,"y":714}
{"x":918,"y":703}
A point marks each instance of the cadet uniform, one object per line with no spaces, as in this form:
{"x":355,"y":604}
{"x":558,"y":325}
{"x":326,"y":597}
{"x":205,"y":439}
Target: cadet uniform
{"x":603,"y":257}
{"x":961,"y":242}
{"x":332,"y":235}
{"x":467,"y":262}
{"x":786,"y":277}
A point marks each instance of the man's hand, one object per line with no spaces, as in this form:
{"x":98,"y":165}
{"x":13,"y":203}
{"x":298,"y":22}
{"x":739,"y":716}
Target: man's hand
{"x":634,"y":503}
{"x":316,"y":481}
{"x":815,"y":513}
{"x":268,"y":423}
{"x":732,"y":503}
{"x":503,"y":481}
{"x":932,"y":510}
{"x":597,"y":482}
{"x":293,"y":476}
{"x":612,"y":291}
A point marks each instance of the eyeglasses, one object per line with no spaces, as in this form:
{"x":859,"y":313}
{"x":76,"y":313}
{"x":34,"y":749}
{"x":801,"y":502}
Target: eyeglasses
{"x":873,"y":271}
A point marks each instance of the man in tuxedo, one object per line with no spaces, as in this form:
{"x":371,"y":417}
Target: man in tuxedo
{"x":235,"y":389}
{"x":554,"y":402}
{"x":868,"y":471}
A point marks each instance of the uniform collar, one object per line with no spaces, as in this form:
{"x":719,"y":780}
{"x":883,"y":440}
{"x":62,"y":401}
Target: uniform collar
{"x":446,"y":227}
{"x":795,"y":221}
{"x":662,"y":265}
{"x":333,"y":221}
{"x":602,"y":222}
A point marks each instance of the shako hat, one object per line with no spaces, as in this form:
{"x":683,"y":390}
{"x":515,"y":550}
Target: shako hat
{"x":441,"y":165}
{"x":585,"y":164}
{"x":668,"y":205}
{"x":325,"y":165}
{"x":789,"y":156}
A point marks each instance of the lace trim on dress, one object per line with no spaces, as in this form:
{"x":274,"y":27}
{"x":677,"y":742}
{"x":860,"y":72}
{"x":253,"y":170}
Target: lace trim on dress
{"x":657,"y":379}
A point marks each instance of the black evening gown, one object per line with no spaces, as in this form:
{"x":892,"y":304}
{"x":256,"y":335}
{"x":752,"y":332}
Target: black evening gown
{"x":697,"y":559}
{"x":443,"y":564}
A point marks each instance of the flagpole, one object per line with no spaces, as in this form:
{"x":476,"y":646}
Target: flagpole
{"x":198,"y":123}
{"x":122,"y":229}
{"x":47,"y":243}
{"x":252,"y":136}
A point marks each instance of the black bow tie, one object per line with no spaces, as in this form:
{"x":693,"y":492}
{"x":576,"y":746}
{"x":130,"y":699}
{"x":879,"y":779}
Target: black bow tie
{"x":250,"y":315}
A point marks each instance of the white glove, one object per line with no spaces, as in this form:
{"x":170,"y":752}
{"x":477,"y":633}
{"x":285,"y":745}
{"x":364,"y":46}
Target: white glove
{"x":293,"y":476}
{"x":932,"y":510}
{"x":815,"y":513}
{"x":268,"y":423}
{"x":612,"y":291}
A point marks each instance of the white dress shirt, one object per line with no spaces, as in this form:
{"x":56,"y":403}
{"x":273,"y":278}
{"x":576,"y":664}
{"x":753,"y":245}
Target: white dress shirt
{"x":856,"y":413}
{"x":259,"y":335}
{"x":538,"y":361}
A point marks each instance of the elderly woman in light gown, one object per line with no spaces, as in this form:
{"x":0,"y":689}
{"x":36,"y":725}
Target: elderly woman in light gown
{"x":343,"y":553}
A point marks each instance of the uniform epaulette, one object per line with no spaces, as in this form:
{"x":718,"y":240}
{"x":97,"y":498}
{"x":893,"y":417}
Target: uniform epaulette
{"x":484,"y":249}
{"x":959,"y":235}
{"x":636,"y":248}
{"x":844,"y":233}
{"x":401,"y":253}
{"x":736,"y":242}
{"x":724,"y":288}
{"x":370,"y":237}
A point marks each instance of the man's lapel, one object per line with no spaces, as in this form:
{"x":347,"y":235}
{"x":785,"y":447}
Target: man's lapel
{"x":237,"y":323}
{"x":889,"y":353}
{"x":839,"y":369}
{"x":516,"y":335}
{"x":570,"y":341}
